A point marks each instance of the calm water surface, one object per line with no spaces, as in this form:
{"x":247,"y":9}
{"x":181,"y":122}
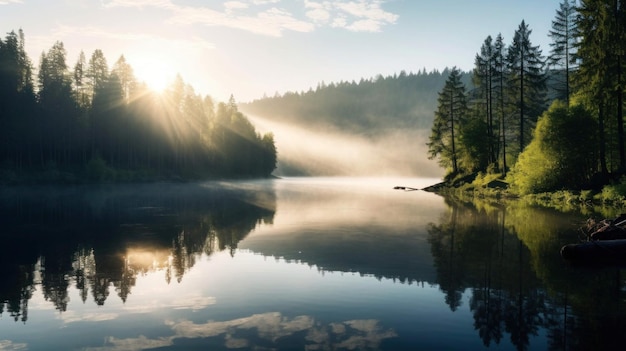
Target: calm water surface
{"x":294,"y":264}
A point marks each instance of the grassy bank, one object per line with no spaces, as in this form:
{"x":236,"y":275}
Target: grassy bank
{"x":494,"y":187}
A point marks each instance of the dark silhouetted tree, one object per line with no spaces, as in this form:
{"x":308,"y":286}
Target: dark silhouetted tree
{"x":563,"y":45}
{"x":451,"y":111}
{"x":527,"y":82}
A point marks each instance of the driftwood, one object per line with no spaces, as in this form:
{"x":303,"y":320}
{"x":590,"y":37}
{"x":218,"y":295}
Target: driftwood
{"x":608,"y":229}
{"x":605,"y":242}
{"x":405,"y":188}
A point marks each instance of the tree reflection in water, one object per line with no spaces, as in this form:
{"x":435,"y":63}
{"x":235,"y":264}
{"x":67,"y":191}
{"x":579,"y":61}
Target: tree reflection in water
{"x":507,"y":258}
{"x":95,"y":238}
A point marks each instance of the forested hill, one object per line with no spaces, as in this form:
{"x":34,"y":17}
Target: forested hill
{"x":369,"y":106}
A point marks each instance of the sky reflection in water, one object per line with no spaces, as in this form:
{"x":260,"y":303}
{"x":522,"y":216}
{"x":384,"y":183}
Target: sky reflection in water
{"x":314,"y":264}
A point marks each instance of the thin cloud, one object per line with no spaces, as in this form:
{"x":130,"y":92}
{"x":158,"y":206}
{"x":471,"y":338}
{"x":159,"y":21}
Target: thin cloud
{"x":263,"y":18}
{"x":270,"y":327}
{"x":231,"y":6}
{"x":139,"y":3}
{"x":6,"y":2}
{"x":265,"y":2}
{"x":8,"y":345}
{"x":270,"y":22}
{"x":64,"y":31}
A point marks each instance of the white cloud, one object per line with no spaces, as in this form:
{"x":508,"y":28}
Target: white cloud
{"x":8,"y":345}
{"x":357,"y":16}
{"x":133,"y":344}
{"x":271,"y":326}
{"x":73,"y":316}
{"x":265,"y":2}
{"x":254,"y":16}
{"x":270,"y":22}
{"x":6,"y":2}
{"x":231,"y":6}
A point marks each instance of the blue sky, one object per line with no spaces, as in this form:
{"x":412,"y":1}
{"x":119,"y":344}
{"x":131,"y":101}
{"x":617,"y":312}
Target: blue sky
{"x":249,"y":48}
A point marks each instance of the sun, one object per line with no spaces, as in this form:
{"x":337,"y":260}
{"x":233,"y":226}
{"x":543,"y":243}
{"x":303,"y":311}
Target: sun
{"x":156,"y":74}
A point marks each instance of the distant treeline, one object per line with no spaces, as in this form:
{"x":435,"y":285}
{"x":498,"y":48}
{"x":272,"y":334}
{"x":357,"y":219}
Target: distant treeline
{"x":92,"y":122}
{"x":405,"y":100}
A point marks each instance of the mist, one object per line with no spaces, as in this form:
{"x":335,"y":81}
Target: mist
{"x":326,"y":151}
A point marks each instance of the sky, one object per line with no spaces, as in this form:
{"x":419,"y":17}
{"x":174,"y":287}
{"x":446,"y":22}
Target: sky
{"x":252,"y":48}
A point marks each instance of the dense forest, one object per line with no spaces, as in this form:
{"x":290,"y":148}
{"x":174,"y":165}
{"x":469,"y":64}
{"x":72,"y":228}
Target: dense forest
{"x":92,"y":122}
{"x":404,"y":100}
{"x":572,"y":138}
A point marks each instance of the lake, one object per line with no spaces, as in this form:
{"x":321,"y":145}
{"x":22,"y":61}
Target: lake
{"x":295,"y":264}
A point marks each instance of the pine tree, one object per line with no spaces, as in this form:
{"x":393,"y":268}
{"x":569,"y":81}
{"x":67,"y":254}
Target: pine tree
{"x":600,"y":78}
{"x":127,"y":77}
{"x":500,"y":79}
{"x":483,"y":78}
{"x":97,"y":72}
{"x":451,"y":110}
{"x":527,"y":81}
{"x":79,"y":83}
{"x":562,"y":53}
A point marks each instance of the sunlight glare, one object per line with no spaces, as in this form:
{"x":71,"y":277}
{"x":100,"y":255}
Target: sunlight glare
{"x":156,"y":74}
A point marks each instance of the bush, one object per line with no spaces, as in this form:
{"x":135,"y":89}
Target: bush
{"x":562,"y":154}
{"x":615,"y":192}
{"x":97,"y":170}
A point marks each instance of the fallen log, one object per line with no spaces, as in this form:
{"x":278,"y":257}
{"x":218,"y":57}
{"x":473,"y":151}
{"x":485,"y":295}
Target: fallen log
{"x":598,"y":251}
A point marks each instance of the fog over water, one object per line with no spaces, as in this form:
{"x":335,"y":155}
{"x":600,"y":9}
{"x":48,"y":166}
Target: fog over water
{"x":327,"y":151}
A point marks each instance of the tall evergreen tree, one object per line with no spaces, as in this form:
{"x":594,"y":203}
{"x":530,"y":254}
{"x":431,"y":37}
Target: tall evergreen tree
{"x":527,"y":81}
{"x":80,"y":82}
{"x":97,"y":72}
{"x":483,"y":78}
{"x":58,"y":106}
{"x":126,"y":76}
{"x":600,"y":78}
{"x":451,"y":110}
{"x":563,"y":45}
{"x":17,"y":99}
{"x":500,"y":79}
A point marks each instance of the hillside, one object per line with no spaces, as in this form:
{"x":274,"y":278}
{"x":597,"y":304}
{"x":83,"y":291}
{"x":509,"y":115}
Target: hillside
{"x":381,"y":103}
{"x":376,"y":126}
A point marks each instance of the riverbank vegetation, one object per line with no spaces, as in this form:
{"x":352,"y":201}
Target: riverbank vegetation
{"x":93,"y":123}
{"x":541,"y":125}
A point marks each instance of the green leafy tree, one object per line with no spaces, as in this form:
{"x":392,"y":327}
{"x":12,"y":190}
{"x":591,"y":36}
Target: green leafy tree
{"x":562,"y":153}
{"x":449,"y":116}
{"x":527,"y":82}
{"x":474,"y":145}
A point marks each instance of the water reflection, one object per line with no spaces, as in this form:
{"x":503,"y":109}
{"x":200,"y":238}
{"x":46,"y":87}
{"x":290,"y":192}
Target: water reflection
{"x":264,"y":330}
{"x":295,"y":264}
{"x":507,"y":257}
{"x":101,"y":239}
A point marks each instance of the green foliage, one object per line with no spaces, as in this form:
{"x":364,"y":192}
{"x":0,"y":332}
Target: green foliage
{"x":474,"y":145}
{"x":562,"y":153}
{"x":615,"y":193}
